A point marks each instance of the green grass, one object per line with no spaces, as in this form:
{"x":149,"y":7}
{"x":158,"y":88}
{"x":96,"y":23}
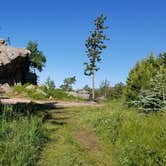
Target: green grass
{"x":133,"y":138}
{"x":22,"y":136}
{"x":23,"y":92}
{"x":109,"y":135}
{"x":65,"y":148}
{"x":124,"y":137}
{"x":59,"y":94}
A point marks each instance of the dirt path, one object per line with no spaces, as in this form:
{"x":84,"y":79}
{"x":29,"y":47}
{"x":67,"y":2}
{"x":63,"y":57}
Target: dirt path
{"x":88,"y":139}
{"x":72,"y":142}
{"x":55,"y":103}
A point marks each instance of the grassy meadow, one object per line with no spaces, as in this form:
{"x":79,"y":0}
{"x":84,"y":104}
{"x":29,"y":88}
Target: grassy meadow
{"x":107,"y":135}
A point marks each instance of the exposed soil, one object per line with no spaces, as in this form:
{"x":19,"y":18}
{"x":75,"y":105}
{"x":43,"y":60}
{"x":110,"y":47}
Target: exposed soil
{"x":88,"y":139}
{"x":55,"y":103}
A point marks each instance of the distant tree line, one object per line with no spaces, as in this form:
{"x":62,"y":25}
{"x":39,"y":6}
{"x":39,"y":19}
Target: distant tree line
{"x":108,"y":92}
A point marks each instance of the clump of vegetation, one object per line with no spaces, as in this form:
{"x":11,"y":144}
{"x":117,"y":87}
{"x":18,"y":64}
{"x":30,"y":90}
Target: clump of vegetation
{"x":34,"y":92}
{"x":110,"y":92}
{"x":68,"y":83}
{"x":21,"y":135}
{"x":133,"y":137}
{"x":59,"y":94}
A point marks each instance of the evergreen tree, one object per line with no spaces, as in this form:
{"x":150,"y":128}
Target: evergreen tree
{"x":154,"y":98}
{"x":140,"y":76}
{"x":95,"y":45}
{"x":117,"y":91}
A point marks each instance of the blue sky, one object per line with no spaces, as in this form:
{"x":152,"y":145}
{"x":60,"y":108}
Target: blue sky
{"x":61,"y":27}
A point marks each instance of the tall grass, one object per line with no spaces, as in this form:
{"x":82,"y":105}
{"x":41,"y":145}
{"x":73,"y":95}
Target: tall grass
{"x":21,"y":136}
{"x":134,"y":138}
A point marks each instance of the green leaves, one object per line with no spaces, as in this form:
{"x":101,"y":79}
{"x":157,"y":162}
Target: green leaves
{"x":38,"y":59}
{"x":67,"y":83}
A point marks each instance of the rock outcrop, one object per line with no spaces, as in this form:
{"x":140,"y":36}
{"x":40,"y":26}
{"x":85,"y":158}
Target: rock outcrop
{"x":14,"y":65}
{"x":81,"y":93}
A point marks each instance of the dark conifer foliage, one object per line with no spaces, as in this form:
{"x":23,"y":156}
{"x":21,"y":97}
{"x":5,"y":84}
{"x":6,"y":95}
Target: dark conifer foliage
{"x":95,"y":46}
{"x":146,"y":84}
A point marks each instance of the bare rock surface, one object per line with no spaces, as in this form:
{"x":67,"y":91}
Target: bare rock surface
{"x":9,"y":54}
{"x":14,"y":64}
{"x":83,"y":94}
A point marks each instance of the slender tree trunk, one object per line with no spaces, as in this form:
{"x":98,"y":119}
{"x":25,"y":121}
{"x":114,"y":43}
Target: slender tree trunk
{"x":93,"y":86}
{"x":105,"y":93}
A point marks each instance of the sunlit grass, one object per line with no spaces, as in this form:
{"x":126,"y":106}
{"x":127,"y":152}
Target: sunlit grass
{"x":21,"y":137}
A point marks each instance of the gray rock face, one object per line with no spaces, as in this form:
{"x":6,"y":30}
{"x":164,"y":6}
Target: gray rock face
{"x":9,"y":54}
{"x":83,"y":94}
{"x":14,"y":64}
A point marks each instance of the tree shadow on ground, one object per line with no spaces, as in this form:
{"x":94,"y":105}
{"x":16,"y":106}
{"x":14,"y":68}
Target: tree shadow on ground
{"x":27,"y":109}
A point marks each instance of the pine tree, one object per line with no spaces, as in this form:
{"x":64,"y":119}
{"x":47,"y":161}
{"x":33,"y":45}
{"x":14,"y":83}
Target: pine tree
{"x":140,"y":76}
{"x":95,"y":45}
{"x":154,"y":98}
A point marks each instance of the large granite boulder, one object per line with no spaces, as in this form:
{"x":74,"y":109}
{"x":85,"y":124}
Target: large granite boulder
{"x":14,"y":64}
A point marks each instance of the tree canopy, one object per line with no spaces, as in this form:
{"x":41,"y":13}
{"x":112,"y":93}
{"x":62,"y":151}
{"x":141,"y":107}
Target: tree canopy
{"x":38,"y":59}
